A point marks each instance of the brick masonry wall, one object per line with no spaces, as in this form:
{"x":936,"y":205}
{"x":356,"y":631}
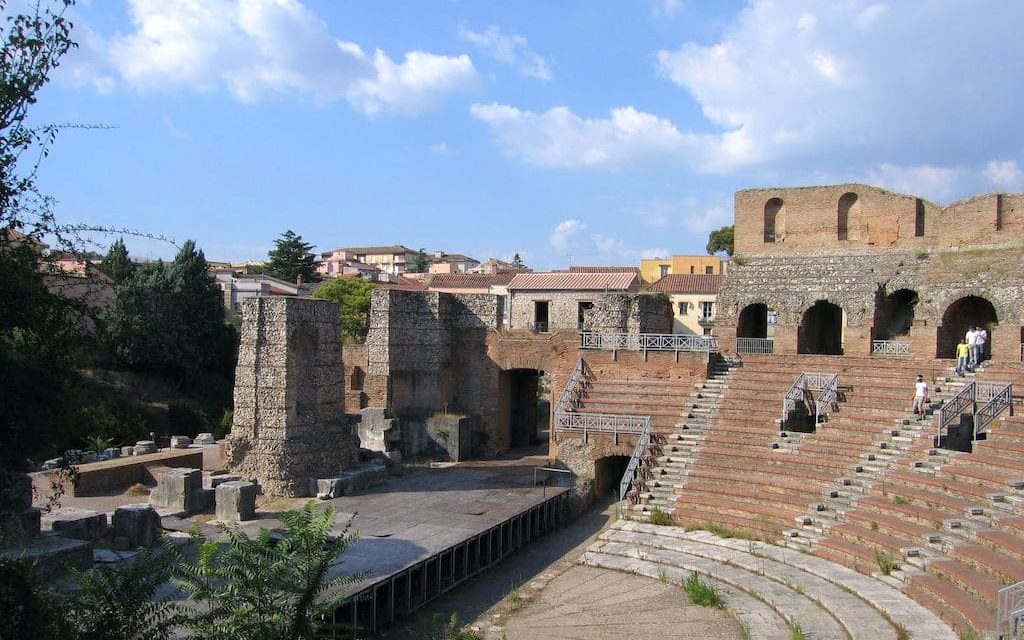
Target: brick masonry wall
{"x":880,"y":219}
{"x":289,"y":424}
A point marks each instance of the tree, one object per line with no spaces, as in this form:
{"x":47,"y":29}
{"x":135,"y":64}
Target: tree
{"x":117,"y":264}
{"x":721,"y":240}
{"x":265,"y":589}
{"x":353,"y":297}
{"x":420,"y":262}
{"x":291,"y":259}
{"x":517,"y":261}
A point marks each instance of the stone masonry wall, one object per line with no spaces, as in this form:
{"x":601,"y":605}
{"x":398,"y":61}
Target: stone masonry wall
{"x":808,"y":221}
{"x":629,"y":312}
{"x":289,"y":408}
{"x":563,"y":307}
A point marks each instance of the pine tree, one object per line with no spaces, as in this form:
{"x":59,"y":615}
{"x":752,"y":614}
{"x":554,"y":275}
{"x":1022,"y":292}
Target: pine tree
{"x":517,"y":261}
{"x":291,"y":259}
{"x":117,"y":264}
{"x":420,"y":262}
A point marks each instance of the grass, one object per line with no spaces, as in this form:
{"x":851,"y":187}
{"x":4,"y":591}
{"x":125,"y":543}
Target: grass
{"x":723,"y":531}
{"x":901,"y":632}
{"x":515,"y":598}
{"x":701,"y":593}
{"x":797,"y":632}
{"x":886,"y":563}
{"x":663,"y":576}
{"x":900,"y":500}
{"x":137,"y":489}
{"x":660,"y":517}
{"x":874,"y":526}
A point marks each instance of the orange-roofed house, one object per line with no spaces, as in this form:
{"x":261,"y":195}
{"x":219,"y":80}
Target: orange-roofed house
{"x":558,"y":300}
{"x":693,"y":297}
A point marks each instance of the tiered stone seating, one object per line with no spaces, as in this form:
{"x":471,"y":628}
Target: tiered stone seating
{"x":667,"y":402}
{"x":741,"y":477}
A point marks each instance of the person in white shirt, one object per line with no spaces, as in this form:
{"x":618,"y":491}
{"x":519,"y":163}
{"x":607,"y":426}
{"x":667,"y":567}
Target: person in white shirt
{"x":972,"y":342}
{"x":920,"y":395}
{"x":980,"y":338}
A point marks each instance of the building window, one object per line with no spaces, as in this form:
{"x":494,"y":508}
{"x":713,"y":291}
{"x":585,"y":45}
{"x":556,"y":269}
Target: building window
{"x":707,"y":331}
{"x":693,"y":269}
{"x":706,"y":311}
{"x":683,"y":308}
{"x":664,"y":270}
{"x":708,"y":271}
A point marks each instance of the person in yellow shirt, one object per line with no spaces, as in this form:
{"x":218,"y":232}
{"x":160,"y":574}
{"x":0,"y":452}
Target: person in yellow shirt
{"x":963,"y":354}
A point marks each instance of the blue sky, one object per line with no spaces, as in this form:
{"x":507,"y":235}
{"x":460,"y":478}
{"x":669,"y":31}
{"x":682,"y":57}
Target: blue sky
{"x":592,"y":132}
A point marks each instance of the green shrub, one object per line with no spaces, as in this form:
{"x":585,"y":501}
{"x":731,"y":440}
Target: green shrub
{"x":886,"y":563}
{"x":225,"y":424}
{"x":186,"y":419}
{"x":660,"y":517}
{"x":118,"y":423}
{"x":701,"y":593}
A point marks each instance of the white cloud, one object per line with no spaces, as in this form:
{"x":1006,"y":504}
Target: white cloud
{"x":511,"y":49}
{"x":564,"y":232}
{"x":560,"y":138}
{"x":935,"y":183}
{"x":667,"y":8}
{"x":172,"y":129}
{"x":258,"y":49}
{"x":1005,"y":174}
{"x":843,"y":83}
{"x":441,"y":149}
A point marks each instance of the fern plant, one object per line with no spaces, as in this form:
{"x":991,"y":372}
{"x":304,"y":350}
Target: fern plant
{"x":261,"y":588}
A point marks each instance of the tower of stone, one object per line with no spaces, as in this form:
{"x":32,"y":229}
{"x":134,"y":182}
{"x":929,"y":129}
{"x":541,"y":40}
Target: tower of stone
{"x":289,"y":417}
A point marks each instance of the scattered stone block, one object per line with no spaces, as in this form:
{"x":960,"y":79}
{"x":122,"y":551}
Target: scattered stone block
{"x":52,"y":463}
{"x":120,"y":543}
{"x":142,"y":447}
{"x":53,"y":556}
{"x":348,"y":482}
{"x":31,"y":522}
{"x":128,"y":451}
{"x":80,"y":524}
{"x":139,"y":524}
{"x":112,"y":452}
{"x":204,"y":439}
{"x":213,"y":481}
{"x":180,"y":490}
{"x":180,"y":442}
{"x":236,"y":501}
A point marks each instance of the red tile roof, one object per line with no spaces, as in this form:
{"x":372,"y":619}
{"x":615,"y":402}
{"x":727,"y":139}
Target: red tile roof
{"x":470,"y":280}
{"x":635,"y":270}
{"x":687,"y":283}
{"x":615,"y":281}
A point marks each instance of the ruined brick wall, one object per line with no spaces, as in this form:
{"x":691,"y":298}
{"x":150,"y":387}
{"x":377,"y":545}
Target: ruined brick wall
{"x":289,"y":423}
{"x":809,"y":220}
{"x":356,"y":360}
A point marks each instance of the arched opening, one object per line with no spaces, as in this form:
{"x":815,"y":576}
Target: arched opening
{"x":774,"y":220}
{"x":528,"y":405}
{"x":607,"y":475}
{"x":919,"y":218}
{"x":846,"y":210}
{"x":821,"y":330}
{"x":753,"y":321}
{"x":894,"y":313}
{"x":967,"y":312}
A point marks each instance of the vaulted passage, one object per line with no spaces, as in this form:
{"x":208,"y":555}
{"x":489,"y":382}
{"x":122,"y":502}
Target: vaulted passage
{"x":969,"y":311}
{"x":608,"y":473}
{"x":753,"y":322}
{"x":894,"y":314}
{"x":821,"y":330}
{"x":523,"y":398}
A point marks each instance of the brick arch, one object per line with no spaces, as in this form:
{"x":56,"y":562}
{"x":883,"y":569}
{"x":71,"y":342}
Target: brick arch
{"x":939,"y":305}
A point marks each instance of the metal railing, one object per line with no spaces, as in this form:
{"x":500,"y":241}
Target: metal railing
{"x":647,"y":341}
{"x":890,"y":348}
{"x":827,"y":384}
{"x":612,"y":423}
{"x":755,"y":345}
{"x":995,"y":396}
{"x":634,"y":470}
{"x":1001,"y":399}
{"x":1010,"y":612}
{"x":575,"y":388}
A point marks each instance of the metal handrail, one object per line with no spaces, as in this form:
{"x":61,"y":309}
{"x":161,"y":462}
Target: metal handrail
{"x":890,"y":348}
{"x":612,"y":423}
{"x":632,"y":469}
{"x":826,"y":383}
{"x":954,"y":407}
{"x":1000,"y":401}
{"x":575,"y":387}
{"x":755,"y":345}
{"x":647,"y":341}
{"x":1010,"y":612}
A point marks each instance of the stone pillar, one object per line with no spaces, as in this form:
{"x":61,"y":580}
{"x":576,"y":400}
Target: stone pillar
{"x":1006,"y":341}
{"x":785,"y":339}
{"x":138,"y":525}
{"x":923,"y":339}
{"x":179,"y":489}
{"x":236,"y":501}
{"x":289,"y":418}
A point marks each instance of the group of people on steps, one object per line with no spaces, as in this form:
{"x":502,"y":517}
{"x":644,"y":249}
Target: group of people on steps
{"x":969,"y":354}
